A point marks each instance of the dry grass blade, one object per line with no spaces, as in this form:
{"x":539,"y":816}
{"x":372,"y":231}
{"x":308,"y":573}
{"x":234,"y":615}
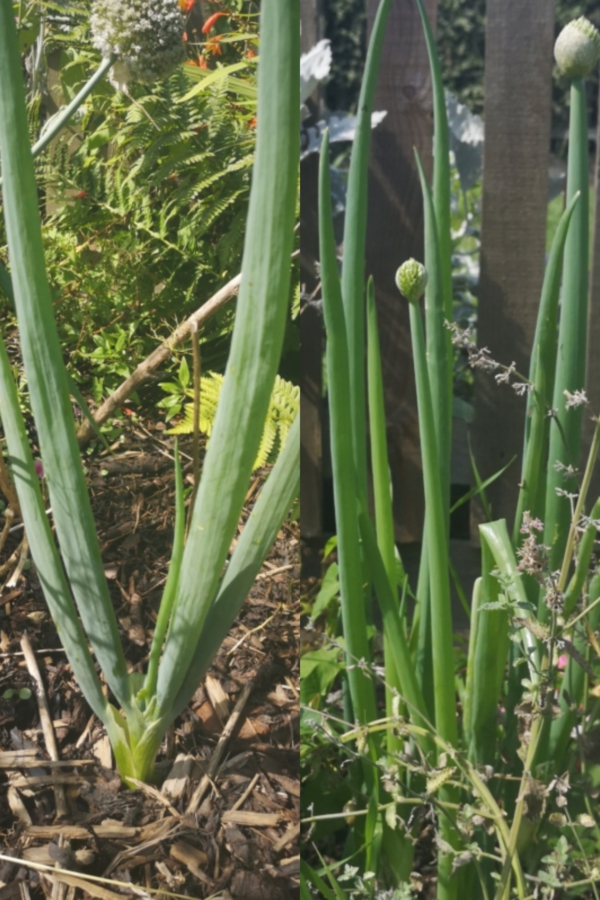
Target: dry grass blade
{"x":92,"y":883}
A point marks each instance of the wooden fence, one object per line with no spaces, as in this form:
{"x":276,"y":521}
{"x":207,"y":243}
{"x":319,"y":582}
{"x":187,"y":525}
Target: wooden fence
{"x":519,"y":44}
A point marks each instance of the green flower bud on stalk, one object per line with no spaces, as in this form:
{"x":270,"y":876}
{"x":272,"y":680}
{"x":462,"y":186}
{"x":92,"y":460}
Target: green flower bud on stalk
{"x":145,"y":35}
{"x":411,"y":280}
{"x":577,"y":48}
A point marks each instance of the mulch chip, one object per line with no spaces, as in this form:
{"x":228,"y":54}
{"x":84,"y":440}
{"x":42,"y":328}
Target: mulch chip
{"x":222,"y":819}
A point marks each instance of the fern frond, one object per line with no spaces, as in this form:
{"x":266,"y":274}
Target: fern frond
{"x":283,"y":408}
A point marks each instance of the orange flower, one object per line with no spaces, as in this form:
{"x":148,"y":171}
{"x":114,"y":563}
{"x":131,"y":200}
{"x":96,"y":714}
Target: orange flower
{"x":186,"y":5}
{"x":252,"y":122}
{"x":214,"y":46}
{"x":250,"y":54}
{"x":203,"y":63}
{"x":211,"y":21}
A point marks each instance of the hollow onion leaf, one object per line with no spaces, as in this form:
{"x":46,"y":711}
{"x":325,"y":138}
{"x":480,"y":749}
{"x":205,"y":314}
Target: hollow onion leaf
{"x":261,"y":529}
{"x":355,"y":232}
{"x":572,"y":336}
{"x":255,"y":348}
{"x":344,"y":471}
{"x":46,"y":373}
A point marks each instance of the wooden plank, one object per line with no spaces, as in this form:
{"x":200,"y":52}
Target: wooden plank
{"x":311,"y":337}
{"x":309,"y":24}
{"x":519,"y":40}
{"x":593,"y":356}
{"x":395,"y":233}
{"x":311,"y":448}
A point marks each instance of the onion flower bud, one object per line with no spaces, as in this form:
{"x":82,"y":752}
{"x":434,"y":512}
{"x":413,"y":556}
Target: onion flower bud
{"x":577,"y":48}
{"x":411,"y":280}
{"x":145,"y":35}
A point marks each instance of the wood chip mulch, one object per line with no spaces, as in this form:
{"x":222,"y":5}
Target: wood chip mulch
{"x":222,"y":819}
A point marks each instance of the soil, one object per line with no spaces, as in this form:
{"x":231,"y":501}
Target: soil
{"x":232,"y":832}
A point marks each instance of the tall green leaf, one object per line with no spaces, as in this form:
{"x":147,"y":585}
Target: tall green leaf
{"x":257,"y":538}
{"x":355,"y":232}
{"x":256,"y":344}
{"x":344,"y":471}
{"x":565,"y":432}
{"x":46,"y":373}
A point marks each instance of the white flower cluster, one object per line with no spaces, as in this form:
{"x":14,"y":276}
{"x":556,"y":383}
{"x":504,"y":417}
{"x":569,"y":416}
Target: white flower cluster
{"x":145,"y":35}
{"x":577,"y":48}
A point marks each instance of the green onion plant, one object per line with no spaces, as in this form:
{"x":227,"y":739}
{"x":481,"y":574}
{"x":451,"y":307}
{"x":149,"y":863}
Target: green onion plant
{"x":202,"y":594}
{"x":538,"y":591}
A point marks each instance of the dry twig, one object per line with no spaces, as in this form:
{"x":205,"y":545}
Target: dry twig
{"x":158,"y":356}
{"x":45,"y":720}
{"x":219,"y":750}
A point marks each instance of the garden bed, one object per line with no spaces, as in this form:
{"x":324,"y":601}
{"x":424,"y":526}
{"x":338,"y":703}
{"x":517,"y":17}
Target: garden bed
{"x":223,"y":819}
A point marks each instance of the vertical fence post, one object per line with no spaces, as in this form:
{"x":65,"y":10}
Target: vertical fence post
{"x":395,"y":233}
{"x":592,"y":378}
{"x":311,"y":338}
{"x":518,"y":67}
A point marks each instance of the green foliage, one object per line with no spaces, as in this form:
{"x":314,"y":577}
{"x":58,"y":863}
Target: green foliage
{"x":146,"y":198}
{"x":345,"y":26}
{"x":284,"y":405}
{"x":150,"y":208}
{"x":461,"y":45}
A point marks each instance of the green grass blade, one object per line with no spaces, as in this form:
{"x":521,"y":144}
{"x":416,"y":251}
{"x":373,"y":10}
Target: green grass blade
{"x":480,"y":485}
{"x":268,"y":515}
{"x":459,"y":589}
{"x":256,"y":344}
{"x":339,"y":893}
{"x":308,"y":874}
{"x":344,"y":472}
{"x":305,"y":893}
{"x":479,"y":489}
{"x":572,"y":337}
{"x":46,"y":373}
{"x":542,"y":371}
{"x":355,"y":231}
